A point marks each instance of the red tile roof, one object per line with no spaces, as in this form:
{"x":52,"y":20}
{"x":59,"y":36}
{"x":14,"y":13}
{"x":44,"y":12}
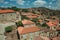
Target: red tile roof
{"x":41,"y":38}
{"x":58,"y":28}
{"x":56,"y":38}
{"x":28,"y":13}
{"x":6,"y":11}
{"x":52,"y":23}
{"x":31,"y":14}
{"x":32,"y":17}
{"x":23,"y":30}
{"x":40,"y":20}
{"x":38,"y":38}
{"x":53,"y":16}
{"x":27,"y":22}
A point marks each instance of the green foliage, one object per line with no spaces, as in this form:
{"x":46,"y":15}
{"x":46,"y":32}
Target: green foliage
{"x":24,"y":17}
{"x":45,"y":25}
{"x":48,"y":17}
{"x":37,"y":23}
{"x":19,"y":24}
{"x":8,"y":29}
{"x":34,"y":20}
{"x":25,"y":10}
{"x":53,"y":18}
{"x":58,"y":31}
{"x":15,"y":8}
{"x":33,"y":12}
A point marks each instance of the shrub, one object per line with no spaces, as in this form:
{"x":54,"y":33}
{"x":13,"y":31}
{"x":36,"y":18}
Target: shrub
{"x":25,"y":10}
{"x":19,"y":23}
{"x":8,"y":29}
{"x":34,"y":20}
{"x":24,"y":17}
{"x":45,"y":25}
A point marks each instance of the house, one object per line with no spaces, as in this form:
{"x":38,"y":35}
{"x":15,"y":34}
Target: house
{"x":48,"y":33}
{"x":42,"y":38}
{"x":54,"y":17}
{"x":41,"y":21}
{"x":27,"y":14}
{"x":31,"y":33}
{"x":9,"y":15}
{"x":52,"y":33}
{"x":3,"y":25}
{"x":58,"y":30}
{"x":56,"y":38}
{"x":28,"y":33}
{"x":39,"y":16}
{"x":28,"y":23}
{"x":53,"y":24}
{"x":38,"y":38}
{"x":32,"y":17}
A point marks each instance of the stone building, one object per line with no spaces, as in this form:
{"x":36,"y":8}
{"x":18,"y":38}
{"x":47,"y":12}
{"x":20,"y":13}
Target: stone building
{"x":9,"y":15}
{"x":28,"y":33}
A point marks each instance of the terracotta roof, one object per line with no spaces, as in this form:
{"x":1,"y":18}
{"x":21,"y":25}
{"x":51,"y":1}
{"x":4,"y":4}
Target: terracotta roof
{"x":56,"y":38}
{"x":48,"y":30}
{"x":6,"y":11}
{"x":27,"y":21}
{"x":28,"y":13}
{"x":40,"y":20}
{"x":38,"y":38}
{"x":58,"y":28}
{"x":38,"y":14}
{"x":23,"y":30}
{"x":32,"y":17}
{"x":41,"y":38}
{"x":53,"y":16}
{"x":53,"y":23}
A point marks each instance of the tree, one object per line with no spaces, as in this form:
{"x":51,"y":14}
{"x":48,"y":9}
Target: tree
{"x":25,"y":10}
{"x":19,"y":23}
{"x":53,"y":18}
{"x":34,"y":20}
{"x":37,"y":23}
{"x":8,"y":29}
{"x":24,"y":17}
{"x":58,"y":31}
{"x":33,"y":12}
{"x":15,"y":8}
{"x":45,"y":25}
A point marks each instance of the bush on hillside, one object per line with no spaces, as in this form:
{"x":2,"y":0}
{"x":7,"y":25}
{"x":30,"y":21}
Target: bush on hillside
{"x":19,"y":23}
{"x":8,"y":29}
